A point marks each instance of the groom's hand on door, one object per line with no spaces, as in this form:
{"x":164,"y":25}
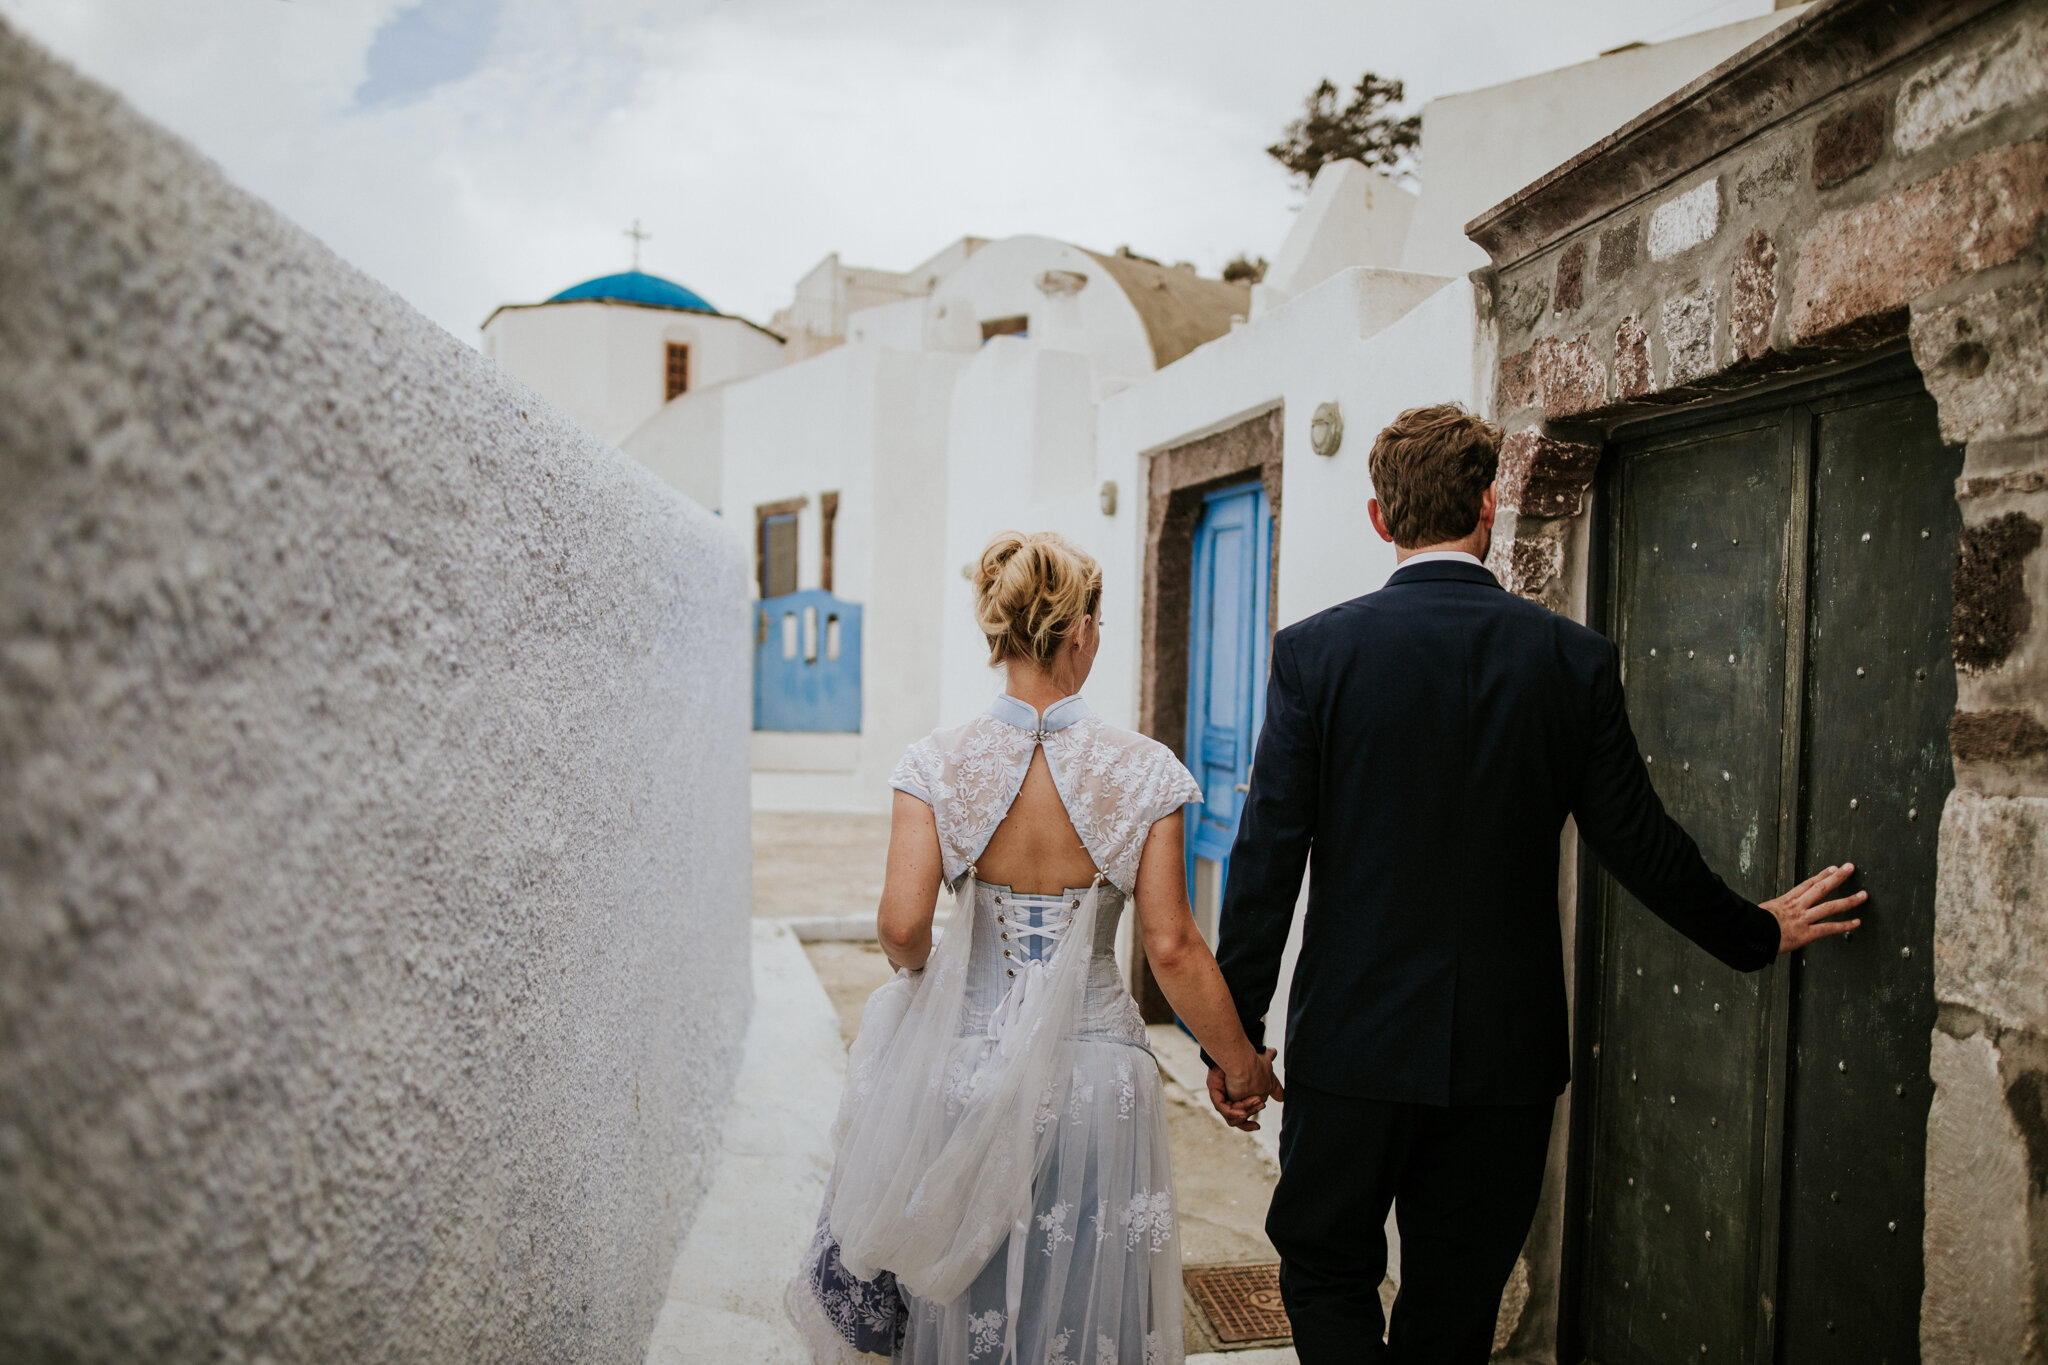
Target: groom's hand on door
{"x":1805,"y":913}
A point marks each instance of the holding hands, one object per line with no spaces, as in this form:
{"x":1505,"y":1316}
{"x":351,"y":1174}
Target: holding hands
{"x":1241,"y":1092}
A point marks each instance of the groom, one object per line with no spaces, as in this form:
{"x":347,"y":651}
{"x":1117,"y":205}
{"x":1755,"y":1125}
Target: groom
{"x":1423,"y":745}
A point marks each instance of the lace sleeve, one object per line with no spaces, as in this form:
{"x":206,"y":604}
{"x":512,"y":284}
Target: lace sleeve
{"x":1167,"y":788}
{"x":913,"y":772}
{"x":1117,"y":786}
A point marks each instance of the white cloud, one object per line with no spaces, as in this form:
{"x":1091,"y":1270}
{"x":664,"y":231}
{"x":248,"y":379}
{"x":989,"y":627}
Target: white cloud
{"x":752,"y":138}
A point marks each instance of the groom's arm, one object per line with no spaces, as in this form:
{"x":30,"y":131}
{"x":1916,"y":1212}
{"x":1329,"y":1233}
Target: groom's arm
{"x":1271,"y":852}
{"x":1628,"y":829}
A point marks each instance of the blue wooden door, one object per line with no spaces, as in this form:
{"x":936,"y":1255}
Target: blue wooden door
{"x":807,"y":662}
{"x":1226,"y":679}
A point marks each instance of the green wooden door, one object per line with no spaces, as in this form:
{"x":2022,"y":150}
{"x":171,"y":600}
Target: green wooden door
{"x":1748,"y":1148}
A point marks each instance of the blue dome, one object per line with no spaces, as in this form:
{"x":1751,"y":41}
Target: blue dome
{"x":634,"y":286}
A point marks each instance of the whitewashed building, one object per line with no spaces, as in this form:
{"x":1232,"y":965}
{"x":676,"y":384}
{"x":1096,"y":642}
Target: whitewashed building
{"x":867,"y":472}
{"x":611,"y":350}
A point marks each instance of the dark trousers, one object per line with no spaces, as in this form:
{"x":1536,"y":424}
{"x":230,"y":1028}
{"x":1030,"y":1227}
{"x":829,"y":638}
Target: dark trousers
{"x":1465,"y":1180}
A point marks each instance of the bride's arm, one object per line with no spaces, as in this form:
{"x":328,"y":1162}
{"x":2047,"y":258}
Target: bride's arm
{"x":910,"y":889}
{"x":1186,"y":969}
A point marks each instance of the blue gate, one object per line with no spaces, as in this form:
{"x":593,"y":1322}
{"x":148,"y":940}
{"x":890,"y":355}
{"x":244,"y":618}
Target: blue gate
{"x":807,"y":662}
{"x":1226,"y":679}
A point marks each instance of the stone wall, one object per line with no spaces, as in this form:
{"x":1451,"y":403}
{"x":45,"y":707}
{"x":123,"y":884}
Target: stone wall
{"x":373,"y":842}
{"x":1872,"y":176}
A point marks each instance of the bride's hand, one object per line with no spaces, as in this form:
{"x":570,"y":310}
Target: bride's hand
{"x":1236,"y":1113}
{"x":1240,"y":1094}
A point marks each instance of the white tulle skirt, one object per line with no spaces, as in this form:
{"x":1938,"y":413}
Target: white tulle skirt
{"x":1001,"y":1190}
{"x":1102,"y":1261}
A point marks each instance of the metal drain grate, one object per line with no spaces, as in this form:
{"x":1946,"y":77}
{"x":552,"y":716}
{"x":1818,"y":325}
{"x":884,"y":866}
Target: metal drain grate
{"x":1242,"y":1302}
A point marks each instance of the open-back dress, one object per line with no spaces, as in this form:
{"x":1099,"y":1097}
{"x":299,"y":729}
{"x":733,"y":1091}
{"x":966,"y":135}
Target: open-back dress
{"x":1001,"y":1189}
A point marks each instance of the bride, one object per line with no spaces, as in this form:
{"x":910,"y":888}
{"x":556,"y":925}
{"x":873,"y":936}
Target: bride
{"x":1001,"y":1190}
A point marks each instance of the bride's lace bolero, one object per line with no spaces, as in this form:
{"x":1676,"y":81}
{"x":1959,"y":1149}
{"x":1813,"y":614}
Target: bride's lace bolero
{"x":1115,"y":784}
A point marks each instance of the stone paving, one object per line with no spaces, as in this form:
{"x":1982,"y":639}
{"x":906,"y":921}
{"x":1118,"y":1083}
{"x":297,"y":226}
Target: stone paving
{"x":724,"y":1301}
{"x":818,"y":864}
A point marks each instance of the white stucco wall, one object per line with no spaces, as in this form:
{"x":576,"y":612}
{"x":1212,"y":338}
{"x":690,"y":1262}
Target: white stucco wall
{"x":869,"y":424}
{"x":1353,"y":216}
{"x":1021,"y":456}
{"x":680,"y":445}
{"x":1099,"y":321}
{"x":1481,"y":146}
{"x":1372,"y":341}
{"x":374,"y":896}
{"x":606,"y":364}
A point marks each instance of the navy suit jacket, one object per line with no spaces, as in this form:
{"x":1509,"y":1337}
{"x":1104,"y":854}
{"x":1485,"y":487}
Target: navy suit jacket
{"x":1422,"y":747}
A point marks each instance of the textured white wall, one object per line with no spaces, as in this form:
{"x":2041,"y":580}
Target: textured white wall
{"x":373,"y":856}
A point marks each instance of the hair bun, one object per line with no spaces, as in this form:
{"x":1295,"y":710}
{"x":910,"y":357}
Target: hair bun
{"x":1030,"y":591}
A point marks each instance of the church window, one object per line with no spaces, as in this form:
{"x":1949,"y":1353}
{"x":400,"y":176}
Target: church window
{"x":776,"y":546}
{"x":1017,"y":326}
{"x":678,"y":368}
{"x":828,"y":517}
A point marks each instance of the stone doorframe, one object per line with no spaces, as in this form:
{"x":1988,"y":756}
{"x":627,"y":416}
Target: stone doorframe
{"x":1176,"y":477}
{"x":1871,"y":176}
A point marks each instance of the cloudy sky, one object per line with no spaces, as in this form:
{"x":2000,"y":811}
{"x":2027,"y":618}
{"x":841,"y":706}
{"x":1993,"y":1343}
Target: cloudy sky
{"x":476,"y":152}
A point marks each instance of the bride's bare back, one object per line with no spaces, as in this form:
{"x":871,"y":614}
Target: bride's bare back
{"x":1036,"y":850}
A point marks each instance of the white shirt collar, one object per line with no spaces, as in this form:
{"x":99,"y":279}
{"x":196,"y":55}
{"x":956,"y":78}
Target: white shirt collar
{"x":1058,"y":716}
{"x":1443,"y":557}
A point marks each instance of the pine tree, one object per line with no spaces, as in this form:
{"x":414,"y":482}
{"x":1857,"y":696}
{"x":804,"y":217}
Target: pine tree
{"x":1363,"y":130}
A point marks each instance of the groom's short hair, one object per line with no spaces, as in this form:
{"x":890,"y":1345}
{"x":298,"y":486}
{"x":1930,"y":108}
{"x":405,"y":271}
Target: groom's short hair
{"x":1429,"y":470}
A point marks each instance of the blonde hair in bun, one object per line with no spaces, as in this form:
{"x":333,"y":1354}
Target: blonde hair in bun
{"x":1030,"y":591}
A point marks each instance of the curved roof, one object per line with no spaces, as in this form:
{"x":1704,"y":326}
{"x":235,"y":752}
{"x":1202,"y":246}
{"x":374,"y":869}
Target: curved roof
{"x":635,"y":286}
{"x":1180,"y":310}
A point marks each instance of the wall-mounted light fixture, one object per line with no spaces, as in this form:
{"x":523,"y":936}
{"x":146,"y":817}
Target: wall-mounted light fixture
{"x":1326,"y":429}
{"x":1109,"y":498}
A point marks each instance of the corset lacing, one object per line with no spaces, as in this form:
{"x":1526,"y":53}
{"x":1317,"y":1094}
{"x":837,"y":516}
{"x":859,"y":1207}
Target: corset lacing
{"x":1030,"y":962}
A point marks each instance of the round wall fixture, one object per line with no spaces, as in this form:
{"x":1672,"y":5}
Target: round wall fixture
{"x":1108,"y":498}
{"x":1326,"y":429}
